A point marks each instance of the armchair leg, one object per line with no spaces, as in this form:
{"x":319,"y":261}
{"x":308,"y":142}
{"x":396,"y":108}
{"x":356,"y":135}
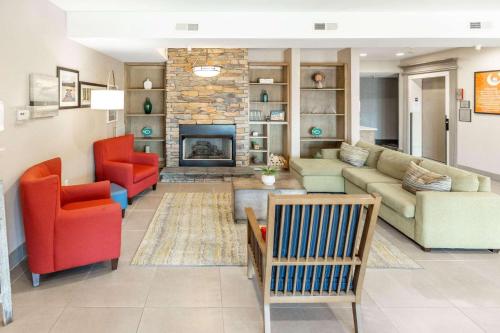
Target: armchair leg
{"x":356,"y":314}
{"x":35,"y":278}
{"x":130,"y":200}
{"x":250,"y":269}
{"x":154,"y":187}
{"x":114,"y":264}
{"x":267,"y":318}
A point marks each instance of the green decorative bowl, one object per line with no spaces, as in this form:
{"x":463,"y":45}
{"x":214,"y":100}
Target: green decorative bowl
{"x":316,"y":131}
{"x":147,"y":131}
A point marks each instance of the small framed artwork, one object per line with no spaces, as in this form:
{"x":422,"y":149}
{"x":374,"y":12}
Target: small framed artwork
{"x":464,"y":115}
{"x":112,"y":116}
{"x":68,"y":88}
{"x":487,"y":92}
{"x":44,"y":95}
{"x":86,"y":91}
{"x":277,"y":115}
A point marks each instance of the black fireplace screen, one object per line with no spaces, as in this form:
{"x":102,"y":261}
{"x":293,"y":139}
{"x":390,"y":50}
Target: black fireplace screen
{"x":207,"y":145}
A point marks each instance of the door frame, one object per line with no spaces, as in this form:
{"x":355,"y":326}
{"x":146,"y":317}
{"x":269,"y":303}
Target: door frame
{"x":446,"y":75}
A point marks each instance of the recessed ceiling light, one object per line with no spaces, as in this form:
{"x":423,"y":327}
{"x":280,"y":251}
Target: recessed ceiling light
{"x":400,"y":54}
{"x":478,"y":47}
{"x":363,"y":54}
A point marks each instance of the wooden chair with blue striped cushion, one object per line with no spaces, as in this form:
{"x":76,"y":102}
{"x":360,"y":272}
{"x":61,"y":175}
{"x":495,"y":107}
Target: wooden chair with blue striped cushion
{"x":316,"y":249}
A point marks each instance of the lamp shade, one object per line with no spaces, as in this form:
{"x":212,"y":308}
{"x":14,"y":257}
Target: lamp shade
{"x":206,"y":71}
{"x":107,"y":100}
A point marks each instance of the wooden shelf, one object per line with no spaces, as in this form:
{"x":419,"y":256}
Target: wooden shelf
{"x":142,"y":89}
{"x":269,"y":84}
{"x":258,"y":150}
{"x":258,"y":137}
{"x":322,"y":64}
{"x":322,"y":89}
{"x":322,"y":114}
{"x":320,"y":139}
{"x":268,"y":122}
{"x":267,"y":64}
{"x":145,"y":115}
{"x":278,"y":102}
{"x":152,"y":138}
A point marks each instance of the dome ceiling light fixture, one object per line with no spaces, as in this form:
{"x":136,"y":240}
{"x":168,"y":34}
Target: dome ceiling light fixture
{"x":206,"y":70}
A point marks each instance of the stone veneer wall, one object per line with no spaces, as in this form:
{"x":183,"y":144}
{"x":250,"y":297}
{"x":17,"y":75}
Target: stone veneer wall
{"x":194,"y":100}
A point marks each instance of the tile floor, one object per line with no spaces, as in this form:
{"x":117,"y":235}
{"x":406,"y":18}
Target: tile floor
{"x":456,"y":291}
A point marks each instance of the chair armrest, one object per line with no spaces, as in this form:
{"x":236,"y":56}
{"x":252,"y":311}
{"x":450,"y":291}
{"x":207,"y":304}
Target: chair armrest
{"x":84,"y":192}
{"x":145,"y":158}
{"x":254,"y":226}
{"x":119,"y":172}
{"x":330,"y":153}
{"x":458,"y":219}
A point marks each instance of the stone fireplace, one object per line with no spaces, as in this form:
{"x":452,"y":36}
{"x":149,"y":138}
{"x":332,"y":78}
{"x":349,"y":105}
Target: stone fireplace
{"x":207,"y":145}
{"x":192,"y":100}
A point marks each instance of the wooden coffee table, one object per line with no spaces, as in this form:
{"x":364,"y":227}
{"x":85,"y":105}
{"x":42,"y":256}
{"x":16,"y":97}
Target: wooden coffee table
{"x":251,"y":192}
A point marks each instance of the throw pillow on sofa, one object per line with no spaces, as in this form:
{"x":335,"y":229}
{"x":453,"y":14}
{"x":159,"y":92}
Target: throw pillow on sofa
{"x":417,"y":178}
{"x":353,"y":155}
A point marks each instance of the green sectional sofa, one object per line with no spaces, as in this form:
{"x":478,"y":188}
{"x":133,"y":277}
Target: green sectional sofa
{"x":468,"y":217}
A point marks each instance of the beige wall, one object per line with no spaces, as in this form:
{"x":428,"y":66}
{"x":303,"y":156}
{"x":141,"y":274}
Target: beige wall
{"x":32,"y":35}
{"x":477,"y":141}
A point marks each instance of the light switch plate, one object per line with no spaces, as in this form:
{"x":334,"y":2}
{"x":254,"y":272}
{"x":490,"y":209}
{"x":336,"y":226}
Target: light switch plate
{"x":2,"y":116}
{"x":23,"y":114}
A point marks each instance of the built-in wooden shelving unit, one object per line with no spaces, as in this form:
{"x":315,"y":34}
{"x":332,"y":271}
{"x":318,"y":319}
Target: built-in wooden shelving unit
{"x":135,"y":96}
{"x":272,"y":135}
{"x":322,"y":107}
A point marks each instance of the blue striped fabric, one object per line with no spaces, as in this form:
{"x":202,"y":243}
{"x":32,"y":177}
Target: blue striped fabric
{"x":312,"y":215}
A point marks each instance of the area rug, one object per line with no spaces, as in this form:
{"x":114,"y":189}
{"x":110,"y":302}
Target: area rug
{"x":197,"y":229}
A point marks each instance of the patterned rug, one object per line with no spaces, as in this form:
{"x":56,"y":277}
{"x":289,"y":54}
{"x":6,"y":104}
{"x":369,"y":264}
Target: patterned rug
{"x":197,"y":229}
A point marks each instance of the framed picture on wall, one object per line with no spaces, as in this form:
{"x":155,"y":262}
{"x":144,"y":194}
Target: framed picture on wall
{"x":68,"y":88}
{"x":86,"y":91}
{"x":112,"y":116}
{"x":487,"y":92}
{"x":44,"y":95}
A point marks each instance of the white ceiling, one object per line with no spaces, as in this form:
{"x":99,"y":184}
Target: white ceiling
{"x":278,"y":5}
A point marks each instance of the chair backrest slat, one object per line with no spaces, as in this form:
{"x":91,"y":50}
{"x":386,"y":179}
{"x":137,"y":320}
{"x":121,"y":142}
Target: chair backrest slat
{"x":317,"y":244}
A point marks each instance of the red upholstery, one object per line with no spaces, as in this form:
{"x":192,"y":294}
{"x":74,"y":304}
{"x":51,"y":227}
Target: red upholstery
{"x":67,"y":226}
{"x":116,"y":161}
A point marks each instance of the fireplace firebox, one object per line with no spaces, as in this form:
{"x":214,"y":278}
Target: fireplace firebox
{"x":207,"y":145}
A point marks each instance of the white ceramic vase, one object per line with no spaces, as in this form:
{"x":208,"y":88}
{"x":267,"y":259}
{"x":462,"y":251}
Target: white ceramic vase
{"x":148,"y":84}
{"x":268,"y":180}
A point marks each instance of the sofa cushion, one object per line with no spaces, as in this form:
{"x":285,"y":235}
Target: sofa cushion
{"x":420,"y":179}
{"x":395,"y":197}
{"x":374,"y":153}
{"x":461,"y":180}
{"x":142,"y":171}
{"x":363,"y":176}
{"x":353,"y":155}
{"x":394,"y":163}
{"x":318,"y":166}
{"x":87,"y":204}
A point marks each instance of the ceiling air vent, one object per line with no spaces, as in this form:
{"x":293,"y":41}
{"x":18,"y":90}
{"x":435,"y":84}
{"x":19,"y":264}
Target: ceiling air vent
{"x":325,"y":26}
{"x":475,"y":25}
{"x":186,"y":27}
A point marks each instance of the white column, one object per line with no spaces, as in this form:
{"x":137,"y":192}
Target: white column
{"x":292,"y":56}
{"x":353,"y":106}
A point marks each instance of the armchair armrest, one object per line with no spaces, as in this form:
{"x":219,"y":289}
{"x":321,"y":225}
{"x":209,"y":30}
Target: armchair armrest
{"x":458,"y":220}
{"x":330,"y":153}
{"x":256,"y":233}
{"x":145,"y":158}
{"x":85,"y":192}
{"x":119,"y":172}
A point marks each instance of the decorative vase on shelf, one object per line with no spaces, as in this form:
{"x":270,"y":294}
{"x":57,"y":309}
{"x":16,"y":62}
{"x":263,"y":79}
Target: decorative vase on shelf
{"x":148,"y":106}
{"x":148,"y":84}
{"x":316,"y":132}
{"x":147,"y":131}
{"x":264,"y":97}
{"x":268,"y":180}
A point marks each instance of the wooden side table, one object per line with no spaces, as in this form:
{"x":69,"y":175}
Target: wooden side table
{"x":5,"y":295}
{"x":251,"y":192}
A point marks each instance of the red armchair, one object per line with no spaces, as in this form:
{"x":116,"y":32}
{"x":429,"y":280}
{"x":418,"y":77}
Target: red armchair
{"x":67,"y":226}
{"x":116,"y":161}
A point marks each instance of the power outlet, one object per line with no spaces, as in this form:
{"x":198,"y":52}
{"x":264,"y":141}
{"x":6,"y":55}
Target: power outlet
{"x":23,"y":114}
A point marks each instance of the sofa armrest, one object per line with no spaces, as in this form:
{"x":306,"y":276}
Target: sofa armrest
{"x":145,"y":158}
{"x":119,"y":172}
{"x":330,"y":153}
{"x":84,"y":192}
{"x":466,"y":220}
